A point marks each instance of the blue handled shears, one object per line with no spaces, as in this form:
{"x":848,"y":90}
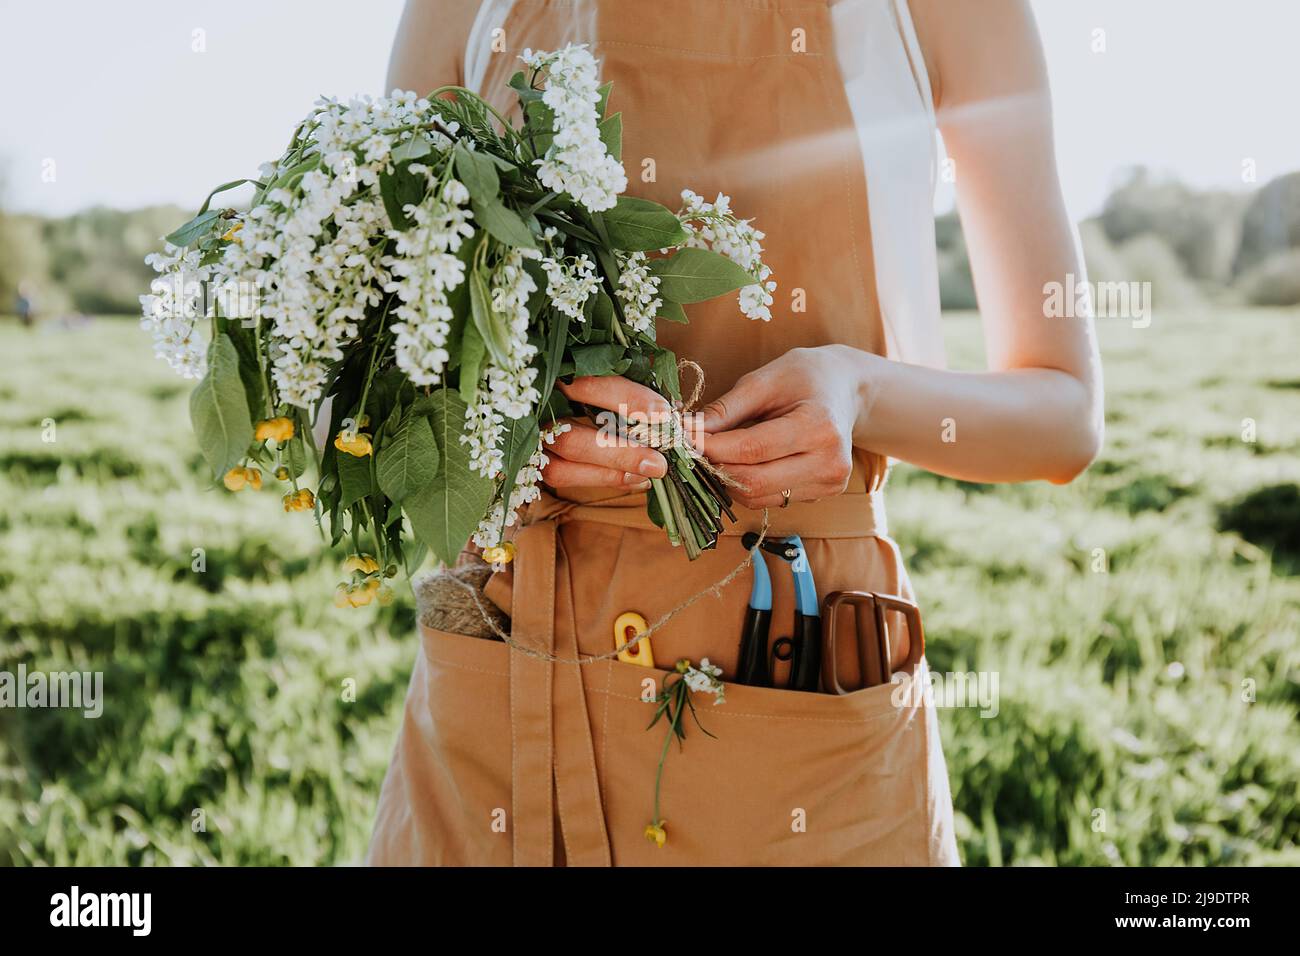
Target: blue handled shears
{"x":802,"y":649}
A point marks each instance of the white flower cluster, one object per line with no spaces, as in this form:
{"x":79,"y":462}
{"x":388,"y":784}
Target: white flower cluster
{"x":570,"y":282}
{"x":424,"y":269}
{"x":506,"y":390}
{"x":704,"y":679}
{"x":638,"y":290}
{"x":526,"y":489}
{"x":173,"y":307}
{"x":577,"y":162}
{"x":714,"y":226}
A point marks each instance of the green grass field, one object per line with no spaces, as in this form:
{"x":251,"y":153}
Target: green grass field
{"x":1149,"y":689}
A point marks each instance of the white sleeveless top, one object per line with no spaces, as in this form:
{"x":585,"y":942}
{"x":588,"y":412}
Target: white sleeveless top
{"x":889,"y":94}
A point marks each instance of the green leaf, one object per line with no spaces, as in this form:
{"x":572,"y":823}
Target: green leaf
{"x":491,"y":326}
{"x":398,"y":189}
{"x":195,"y":229}
{"x":295,"y":456}
{"x":602,"y":311}
{"x":250,"y":372}
{"x":503,"y":224}
{"x":519,"y":83}
{"x":221,"y":189}
{"x":409,"y":460}
{"x":445,"y":513}
{"x":219,"y":409}
{"x":603,"y":91}
{"x":477,"y":172}
{"x":289,"y":178}
{"x":556,"y":337}
{"x":596,"y":359}
{"x":472,"y":351}
{"x":415,"y":147}
{"x":672,"y":312}
{"x":611,"y":134}
{"x":639,"y":225}
{"x":665,"y":366}
{"x":519,"y":443}
{"x":354,"y":479}
{"x":539,"y":126}
{"x":694,"y":275}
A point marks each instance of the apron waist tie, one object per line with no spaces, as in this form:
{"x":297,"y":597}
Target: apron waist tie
{"x":553,"y":759}
{"x":849,"y":515}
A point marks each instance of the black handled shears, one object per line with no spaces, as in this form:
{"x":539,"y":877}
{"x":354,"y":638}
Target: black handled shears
{"x":802,"y":649}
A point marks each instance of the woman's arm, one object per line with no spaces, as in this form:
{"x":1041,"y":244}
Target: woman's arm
{"x":1036,"y":413}
{"x":429,"y":49}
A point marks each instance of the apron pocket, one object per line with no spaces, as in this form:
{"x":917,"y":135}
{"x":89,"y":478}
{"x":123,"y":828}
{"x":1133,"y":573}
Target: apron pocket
{"x":448,"y":792}
{"x":793,"y":778}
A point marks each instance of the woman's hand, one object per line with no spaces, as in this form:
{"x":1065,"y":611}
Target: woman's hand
{"x":586,"y":457}
{"x":805,"y":405}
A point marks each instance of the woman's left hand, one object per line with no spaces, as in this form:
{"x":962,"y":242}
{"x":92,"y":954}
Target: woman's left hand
{"x":804,"y":407}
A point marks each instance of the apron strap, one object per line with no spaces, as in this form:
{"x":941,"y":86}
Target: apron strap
{"x":532,"y":617}
{"x":552,"y":754}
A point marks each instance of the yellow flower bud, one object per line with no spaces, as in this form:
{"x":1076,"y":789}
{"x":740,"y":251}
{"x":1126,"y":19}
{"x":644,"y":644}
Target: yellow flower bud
{"x":360,"y":562}
{"x":230,"y":233}
{"x":254,"y":478}
{"x":276,"y":429}
{"x":282,"y":473}
{"x":360,"y":596}
{"x":306,"y":500}
{"x":656,"y":834}
{"x":358,"y":446}
{"x":501,"y":554}
{"x":235,"y":479}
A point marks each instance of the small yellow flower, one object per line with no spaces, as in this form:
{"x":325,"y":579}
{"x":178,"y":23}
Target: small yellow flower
{"x":358,"y":446}
{"x":655,"y":833}
{"x":230,"y":233}
{"x":254,"y":478}
{"x":360,"y":596}
{"x":276,"y":429}
{"x":360,"y":562}
{"x":501,"y":554}
{"x":235,"y":479}
{"x":301,"y":500}
{"x":282,"y":473}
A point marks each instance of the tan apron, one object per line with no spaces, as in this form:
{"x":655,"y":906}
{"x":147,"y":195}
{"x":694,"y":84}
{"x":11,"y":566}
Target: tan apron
{"x":504,"y":758}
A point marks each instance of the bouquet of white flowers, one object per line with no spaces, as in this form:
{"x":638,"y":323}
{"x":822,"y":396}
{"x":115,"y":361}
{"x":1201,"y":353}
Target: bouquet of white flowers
{"x":434,"y":273}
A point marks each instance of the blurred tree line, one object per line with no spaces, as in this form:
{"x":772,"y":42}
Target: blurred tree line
{"x":1193,"y":247}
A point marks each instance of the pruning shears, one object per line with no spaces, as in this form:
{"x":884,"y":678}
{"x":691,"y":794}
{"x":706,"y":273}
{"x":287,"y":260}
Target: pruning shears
{"x":802,"y":649}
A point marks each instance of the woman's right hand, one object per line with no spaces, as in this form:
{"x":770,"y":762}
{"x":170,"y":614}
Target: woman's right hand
{"x":587,"y":457}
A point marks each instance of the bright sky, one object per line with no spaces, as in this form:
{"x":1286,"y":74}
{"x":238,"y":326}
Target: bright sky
{"x":120,"y":98}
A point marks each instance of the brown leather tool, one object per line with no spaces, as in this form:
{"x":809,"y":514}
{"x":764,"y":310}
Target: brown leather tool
{"x":871,"y":636}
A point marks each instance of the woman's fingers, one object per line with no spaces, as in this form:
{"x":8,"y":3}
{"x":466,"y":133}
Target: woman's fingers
{"x":582,"y":443}
{"x":807,"y":476}
{"x":765,"y":441}
{"x":748,"y":399}
{"x":618,"y":394}
{"x":560,"y":473}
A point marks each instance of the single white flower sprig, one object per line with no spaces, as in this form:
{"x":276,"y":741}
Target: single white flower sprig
{"x":577,"y":162}
{"x":673,"y":701}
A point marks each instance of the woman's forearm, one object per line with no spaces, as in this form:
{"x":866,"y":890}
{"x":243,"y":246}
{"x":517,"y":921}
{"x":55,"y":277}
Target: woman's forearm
{"x":1014,"y":425}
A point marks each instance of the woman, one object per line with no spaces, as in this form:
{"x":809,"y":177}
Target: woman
{"x":817,"y":117}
